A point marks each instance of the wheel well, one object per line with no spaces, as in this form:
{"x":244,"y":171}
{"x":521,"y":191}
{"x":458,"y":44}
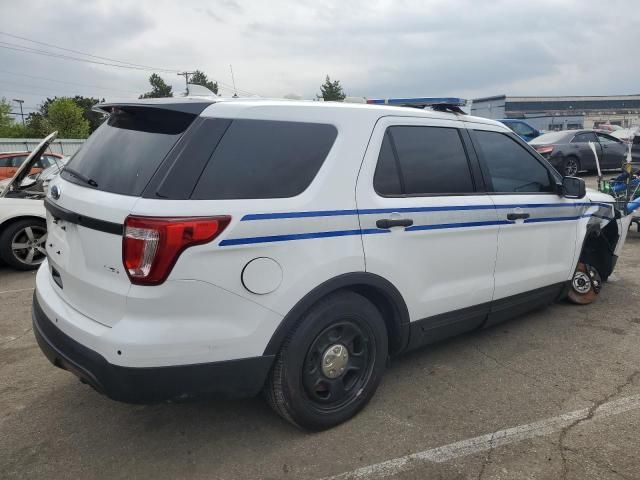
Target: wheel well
{"x":13,"y":220}
{"x":598,"y":248}
{"x":385,"y":297}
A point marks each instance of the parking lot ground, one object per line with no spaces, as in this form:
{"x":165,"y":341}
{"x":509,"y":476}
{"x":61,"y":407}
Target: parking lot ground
{"x":553,"y":394}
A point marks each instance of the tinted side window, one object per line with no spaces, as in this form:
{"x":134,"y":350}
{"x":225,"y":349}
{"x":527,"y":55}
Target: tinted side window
{"x":386,"y":180}
{"x":606,"y":138}
{"x":17,"y":161}
{"x":432,"y":160}
{"x":265,"y":159}
{"x":584,"y":137}
{"x":521,"y":128}
{"x":510,"y":167}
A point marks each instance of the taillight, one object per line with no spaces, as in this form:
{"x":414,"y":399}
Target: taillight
{"x":545,"y":150}
{"x":151,"y":245}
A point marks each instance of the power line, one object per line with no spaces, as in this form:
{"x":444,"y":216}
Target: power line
{"x":56,"y":88}
{"x":65,"y":82}
{"x":119,"y":64}
{"x":87,"y":54}
{"x":21,"y":48}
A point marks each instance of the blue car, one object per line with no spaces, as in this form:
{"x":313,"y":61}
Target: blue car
{"x":522,"y":128}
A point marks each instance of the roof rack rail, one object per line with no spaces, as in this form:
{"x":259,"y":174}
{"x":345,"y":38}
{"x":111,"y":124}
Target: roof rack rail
{"x":440,"y":104}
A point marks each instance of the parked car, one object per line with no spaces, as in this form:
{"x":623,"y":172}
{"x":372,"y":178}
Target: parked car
{"x":226,"y":246}
{"x":11,"y":161}
{"x":23,"y":230}
{"x":39,"y":181}
{"x":569,"y":152}
{"x":522,"y":128}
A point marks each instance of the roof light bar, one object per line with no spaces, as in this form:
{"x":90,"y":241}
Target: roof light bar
{"x":419,"y":102}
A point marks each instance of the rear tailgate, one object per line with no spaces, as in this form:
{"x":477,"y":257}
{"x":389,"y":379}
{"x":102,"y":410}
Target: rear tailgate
{"x":89,"y":202}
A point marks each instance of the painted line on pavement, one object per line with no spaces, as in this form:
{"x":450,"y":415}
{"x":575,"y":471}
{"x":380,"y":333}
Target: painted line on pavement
{"x":486,"y":442}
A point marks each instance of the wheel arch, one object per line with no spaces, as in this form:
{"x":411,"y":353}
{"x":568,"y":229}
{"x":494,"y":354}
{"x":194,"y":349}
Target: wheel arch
{"x":379,"y":291}
{"x":598,"y":248}
{"x":11,"y":220}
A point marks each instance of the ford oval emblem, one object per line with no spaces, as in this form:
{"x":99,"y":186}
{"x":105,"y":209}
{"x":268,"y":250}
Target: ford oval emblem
{"x":55,"y":192}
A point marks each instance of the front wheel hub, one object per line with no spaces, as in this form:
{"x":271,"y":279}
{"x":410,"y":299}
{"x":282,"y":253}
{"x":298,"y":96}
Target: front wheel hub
{"x":335,"y":360}
{"x":581,"y":282}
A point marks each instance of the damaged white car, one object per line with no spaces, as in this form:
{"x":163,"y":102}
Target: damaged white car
{"x":23,"y":229}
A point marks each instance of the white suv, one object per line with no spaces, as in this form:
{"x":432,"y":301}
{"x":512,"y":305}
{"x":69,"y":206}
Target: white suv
{"x":204,"y":245}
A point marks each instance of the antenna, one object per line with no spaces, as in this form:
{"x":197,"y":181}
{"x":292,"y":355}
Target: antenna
{"x":233,"y":80}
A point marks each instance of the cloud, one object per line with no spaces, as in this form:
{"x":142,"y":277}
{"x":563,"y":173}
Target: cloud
{"x":376,"y":48}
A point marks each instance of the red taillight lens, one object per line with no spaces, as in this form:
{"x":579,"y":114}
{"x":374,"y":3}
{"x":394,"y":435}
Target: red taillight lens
{"x":545,"y":149}
{"x":151,"y":245}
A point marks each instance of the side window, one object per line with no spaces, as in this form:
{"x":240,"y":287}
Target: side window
{"x":265,"y":159}
{"x":521,"y":129}
{"x":5,"y":162}
{"x":606,"y":138}
{"x":17,"y":161}
{"x":428,"y":160}
{"x":386,"y":180}
{"x":510,"y":167}
{"x":584,"y":138}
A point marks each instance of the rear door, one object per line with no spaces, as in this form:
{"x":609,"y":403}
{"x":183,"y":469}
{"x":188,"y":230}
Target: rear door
{"x":90,"y":200}
{"x":538,"y":227}
{"x":614,"y":151}
{"x":428,"y":226}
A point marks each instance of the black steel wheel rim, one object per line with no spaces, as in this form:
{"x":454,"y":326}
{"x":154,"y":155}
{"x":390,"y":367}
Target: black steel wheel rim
{"x":329,"y":394}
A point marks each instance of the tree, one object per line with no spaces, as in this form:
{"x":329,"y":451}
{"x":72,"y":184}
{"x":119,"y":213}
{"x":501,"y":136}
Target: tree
{"x":37,"y":126}
{"x":95,"y":119}
{"x":66,"y":117}
{"x":331,"y":90}
{"x":9,"y":128}
{"x":159,"y":88}
{"x":200,"y":78}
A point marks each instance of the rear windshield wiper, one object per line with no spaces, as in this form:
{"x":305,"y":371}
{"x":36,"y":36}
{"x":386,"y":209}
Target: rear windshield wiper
{"x":79,"y":176}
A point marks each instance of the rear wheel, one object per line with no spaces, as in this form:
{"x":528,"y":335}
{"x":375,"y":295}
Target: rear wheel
{"x":570,"y":166}
{"x":330,"y":366}
{"x":22,"y":244}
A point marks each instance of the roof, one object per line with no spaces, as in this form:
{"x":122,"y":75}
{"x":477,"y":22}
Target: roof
{"x":197,"y":105}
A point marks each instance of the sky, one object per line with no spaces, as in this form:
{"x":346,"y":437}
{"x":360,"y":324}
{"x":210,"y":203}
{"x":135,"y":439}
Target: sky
{"x":376,"y":48}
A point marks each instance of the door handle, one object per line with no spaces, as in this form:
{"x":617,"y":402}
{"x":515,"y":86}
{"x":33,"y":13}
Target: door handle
{"x":517,"y":216}
{"x":388,"y":222}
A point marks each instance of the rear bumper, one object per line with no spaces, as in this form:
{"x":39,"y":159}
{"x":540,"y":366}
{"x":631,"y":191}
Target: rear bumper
{"x":232,"y":378}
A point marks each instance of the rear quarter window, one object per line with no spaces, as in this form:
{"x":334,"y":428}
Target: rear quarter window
{"x":265,"y":159}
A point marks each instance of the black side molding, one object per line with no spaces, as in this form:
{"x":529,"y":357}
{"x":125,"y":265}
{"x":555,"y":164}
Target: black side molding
{"x":58,"y":212}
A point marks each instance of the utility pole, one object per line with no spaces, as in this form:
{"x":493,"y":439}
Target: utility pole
{"x":186,"y":79}
{"x":20,"y":101}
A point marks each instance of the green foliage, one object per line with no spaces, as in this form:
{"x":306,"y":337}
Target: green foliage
{"x":331,"y":90}
{"x":9,"y":127}
{"x":200,"y":78}
{"x":65,"y":116}
{"x":159,"y":88}
{"x":95,"y":119}
{"x":37,"y":126}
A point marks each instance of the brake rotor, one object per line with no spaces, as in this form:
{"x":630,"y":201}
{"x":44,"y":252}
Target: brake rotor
{"x":585,"y":285}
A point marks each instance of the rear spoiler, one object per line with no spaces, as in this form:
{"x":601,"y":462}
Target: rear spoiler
{"x":193,"y":106}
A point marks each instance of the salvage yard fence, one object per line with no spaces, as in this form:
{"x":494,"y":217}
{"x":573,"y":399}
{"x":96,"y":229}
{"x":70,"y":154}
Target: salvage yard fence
{"x":65,"y":147}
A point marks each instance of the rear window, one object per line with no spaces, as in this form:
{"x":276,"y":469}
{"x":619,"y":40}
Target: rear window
{"x":122,"y":155}
{"x":265,"y":159}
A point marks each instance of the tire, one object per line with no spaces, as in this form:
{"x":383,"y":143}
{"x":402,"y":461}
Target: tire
{"x":570,"y":166}
{"x":313,"y":398}
{"x":30,"y":232}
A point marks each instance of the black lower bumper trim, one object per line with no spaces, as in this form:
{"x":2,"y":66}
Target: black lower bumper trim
{"x":232,"y":378}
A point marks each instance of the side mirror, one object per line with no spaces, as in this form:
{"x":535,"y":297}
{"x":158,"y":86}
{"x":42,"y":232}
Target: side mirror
{"x":573,"y":187}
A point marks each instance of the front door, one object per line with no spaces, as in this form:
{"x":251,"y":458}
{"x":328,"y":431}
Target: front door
{"x":537,"y":239}
{"x":428,"y":226}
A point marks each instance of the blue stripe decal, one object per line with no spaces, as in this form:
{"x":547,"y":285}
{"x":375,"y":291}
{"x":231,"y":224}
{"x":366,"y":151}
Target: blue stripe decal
{"x":299,"y":236}
{"x":551,"y":219}
{"x":440,"y":226}
{"x":373,"y":211}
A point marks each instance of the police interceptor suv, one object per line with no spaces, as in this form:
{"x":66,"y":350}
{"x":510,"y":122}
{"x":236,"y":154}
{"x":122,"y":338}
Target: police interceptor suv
{"x":203,"y":245}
